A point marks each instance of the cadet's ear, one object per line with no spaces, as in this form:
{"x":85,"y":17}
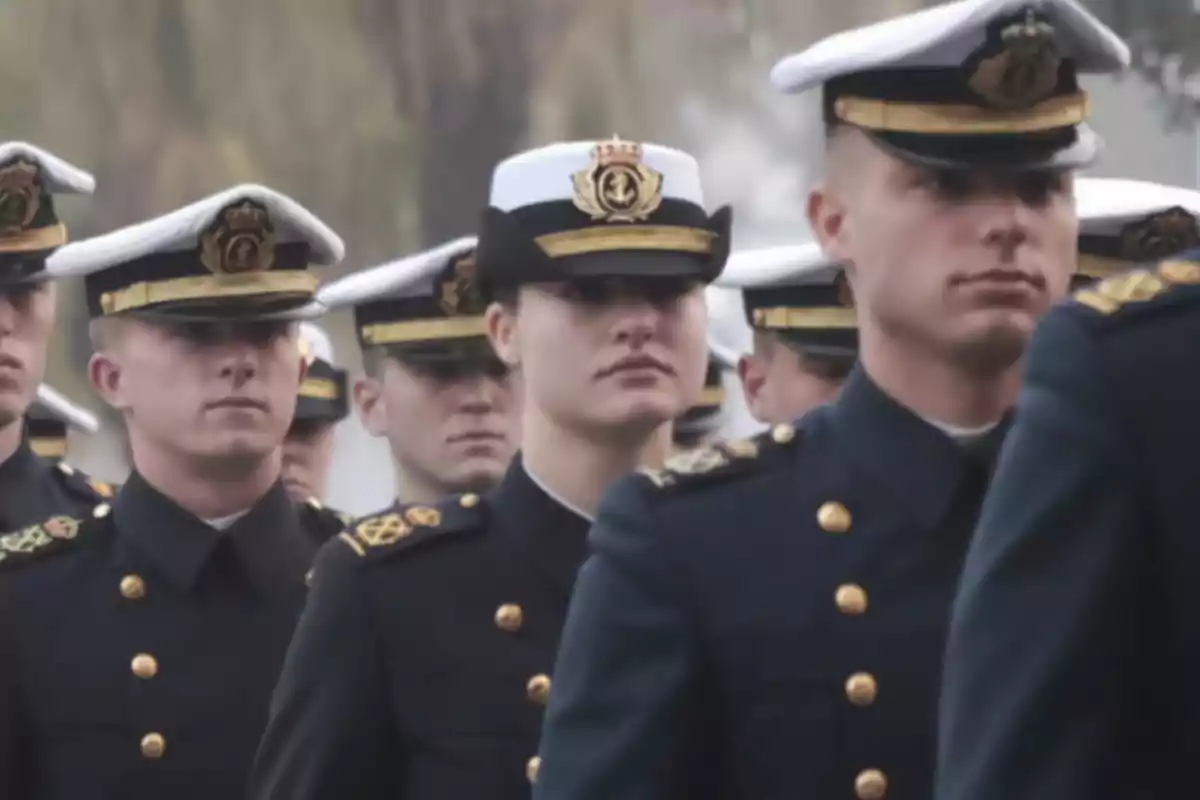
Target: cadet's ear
{"x":105,"y":374}
{"x":501,"y":323}
{"x":368,"y":399}
{"x":752,"y":371}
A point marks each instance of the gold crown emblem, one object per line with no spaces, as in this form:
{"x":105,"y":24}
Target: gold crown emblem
{"x":1025,"y":71}
{"x":242,"y":240}
{"x":457,"y":293}
{"x":1158,"y":236}
{"x":20,"y":196}
{"x":617,"y":186}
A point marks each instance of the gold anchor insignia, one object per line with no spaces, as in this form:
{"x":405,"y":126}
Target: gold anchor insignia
{"x":1025,"y":71}
{"x":457,"y":293}
{"x":241,"y":241}
{"x":1160,"y":236}
{"x":617,"y":186}
{"x":20,"y":196}
{"x":381,"y":531}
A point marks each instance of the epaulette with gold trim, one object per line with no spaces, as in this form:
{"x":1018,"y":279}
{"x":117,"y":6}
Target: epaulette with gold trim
{"x":1136,"y":289}
{"x":720,"y":460}
{"x":402,"y":528}
{"x":44,"y":539}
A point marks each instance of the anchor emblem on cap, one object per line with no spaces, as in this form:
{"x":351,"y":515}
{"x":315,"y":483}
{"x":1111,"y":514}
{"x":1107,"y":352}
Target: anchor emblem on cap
{"x":1160,"y":236}
{"x":617,"y":186}
{"x":20,"y":196}
{"x":242,"y":240}
{"x":1025,"y":71}
{"x":457,"y":292}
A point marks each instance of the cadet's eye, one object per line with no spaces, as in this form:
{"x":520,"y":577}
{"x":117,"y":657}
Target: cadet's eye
{"x":951,"y":185}
{"x":1036,"y":188}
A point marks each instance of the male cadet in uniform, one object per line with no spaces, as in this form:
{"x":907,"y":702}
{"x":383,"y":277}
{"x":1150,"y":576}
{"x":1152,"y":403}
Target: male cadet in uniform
{"x":49,"y":420}
{"x":701,"y":422}
{"x":433,"y":388}
{"x":1125,"y":224}
{"x":422,"y":663}
{"x":799,"y":306}
{"x":766,"y":619}
{"x":308,"y":448}
{"x":1072,"y":656}
{"x":153,"y":629}
{"x":31,"y":488}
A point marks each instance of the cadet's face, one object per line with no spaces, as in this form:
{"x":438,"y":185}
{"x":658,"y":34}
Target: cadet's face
{"x":782,"y":385}
{"x":610,"y":354}
{"x":957,"y":262}
{"x":307,"y":457}
{"x":449,"y":425}
{"x":207,"y":390}
{"x":26,"y":322}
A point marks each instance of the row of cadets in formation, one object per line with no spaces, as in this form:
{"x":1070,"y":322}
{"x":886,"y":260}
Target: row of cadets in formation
{"x":465,"y":658}
{"x":792,"y":294}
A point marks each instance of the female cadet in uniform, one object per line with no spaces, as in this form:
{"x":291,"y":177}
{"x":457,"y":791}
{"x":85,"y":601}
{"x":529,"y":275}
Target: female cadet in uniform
{"x":423,"y":662}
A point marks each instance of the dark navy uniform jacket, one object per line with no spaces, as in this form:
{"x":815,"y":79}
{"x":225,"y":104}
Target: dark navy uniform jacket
{"x":33,"y":489}
{"x":766,"y":619}
{"x":1075,"y":646}
{"x":421,"y":666}
{"x":147,"y":644}
{"x":321,"y":522}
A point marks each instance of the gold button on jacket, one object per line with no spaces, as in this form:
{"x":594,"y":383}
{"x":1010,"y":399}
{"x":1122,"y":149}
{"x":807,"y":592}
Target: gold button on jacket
{"x":133,"y":587}
{"x":153,"y":745}
{"x":862,"y":689}
{"x":531,"y":769}
{"x":871,"y":784}
{"x":144,"y":665}
{"x":538,"y":689}
{"x":851,"y":599}
{"x":833,"y":517}
{"x":510,"y":617}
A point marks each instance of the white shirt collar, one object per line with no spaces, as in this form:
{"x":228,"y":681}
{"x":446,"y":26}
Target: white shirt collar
{"x":222,"y":523}
{"x":960,"y":434}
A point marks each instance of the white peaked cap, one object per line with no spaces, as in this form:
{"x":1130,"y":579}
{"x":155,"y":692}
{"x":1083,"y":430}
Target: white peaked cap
{"x":778,"y":266}
{"x":1100,"y":202}
{"x":56,"y":403}
{"x":945,"y":36}
{"x":182,"y":229}
{"x":729,"y":335}
{"x":411,"y":276}
{"x":57,"y":175}
{"x":316,"y":342}
{"x":544,"y":174}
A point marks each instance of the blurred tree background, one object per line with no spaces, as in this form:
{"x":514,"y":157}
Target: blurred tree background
{"x":385,"y":116}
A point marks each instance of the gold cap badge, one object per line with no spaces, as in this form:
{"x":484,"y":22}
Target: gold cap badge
{"x":617,"y":186}
{"x":457,"y":293}
{"x":1025,"y":71}
{"x":243,"y":240}
{"x":20,"y":196}
{"x":1160,"y":236}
